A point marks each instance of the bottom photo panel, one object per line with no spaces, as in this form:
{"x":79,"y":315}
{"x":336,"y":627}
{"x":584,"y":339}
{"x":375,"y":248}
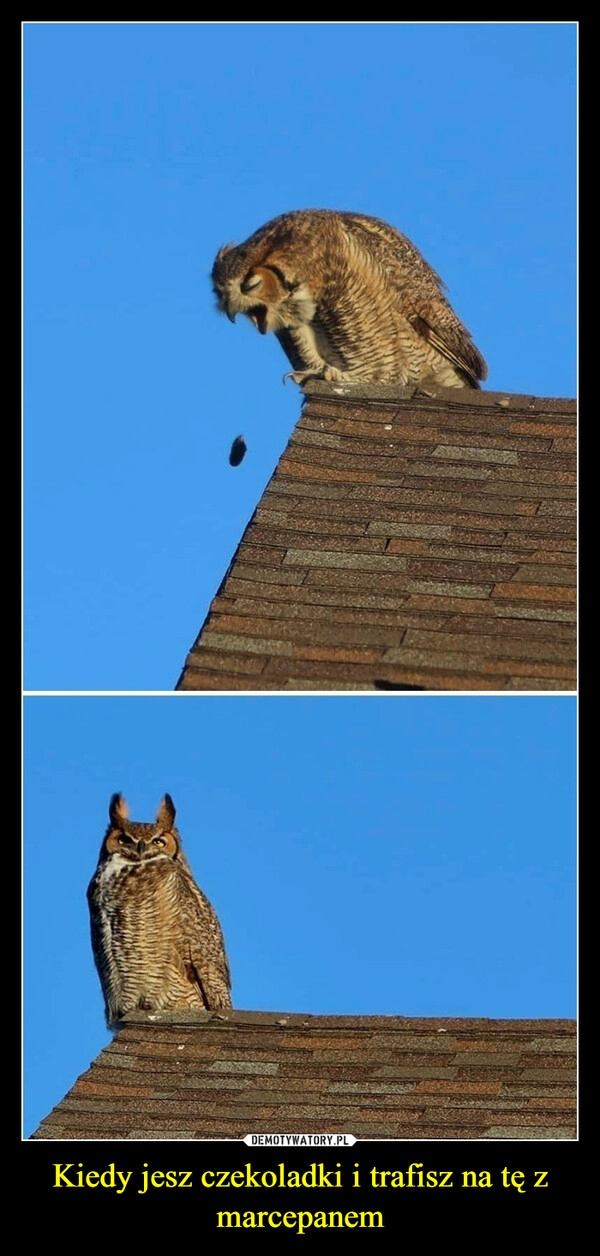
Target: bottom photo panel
{"x":285,"y":919}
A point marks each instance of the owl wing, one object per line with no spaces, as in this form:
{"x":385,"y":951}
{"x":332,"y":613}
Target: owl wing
{"x":96,"y":931}
{"x":436,"y":322}
{"x":420,"y":293}
{"x":100,"y":928}
{"x":204,"y":952}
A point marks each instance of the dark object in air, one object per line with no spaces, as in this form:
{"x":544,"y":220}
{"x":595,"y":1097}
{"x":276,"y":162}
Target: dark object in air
{"x":237,"y":451}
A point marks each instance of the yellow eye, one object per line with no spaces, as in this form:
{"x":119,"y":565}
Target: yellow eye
{"x":158,"y":841}
{"x":252,"y":282}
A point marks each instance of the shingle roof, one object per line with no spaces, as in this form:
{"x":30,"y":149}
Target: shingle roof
{"x":405,"y":542}
{"x":199,"y":1075}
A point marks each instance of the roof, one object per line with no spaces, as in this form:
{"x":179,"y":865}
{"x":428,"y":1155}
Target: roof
{"x":207,"y":1076}
{"x":405,"y":542}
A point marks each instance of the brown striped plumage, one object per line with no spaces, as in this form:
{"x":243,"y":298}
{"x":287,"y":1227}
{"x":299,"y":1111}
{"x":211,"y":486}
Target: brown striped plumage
{"x":349,"y":299}
{"x":156,"y":939}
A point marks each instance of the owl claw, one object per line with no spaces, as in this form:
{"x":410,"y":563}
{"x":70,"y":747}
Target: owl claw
{"x":300,"y":377}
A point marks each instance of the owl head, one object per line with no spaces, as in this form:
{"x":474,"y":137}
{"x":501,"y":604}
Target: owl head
{"x":264,"y":291}
{"x":137,"y":842}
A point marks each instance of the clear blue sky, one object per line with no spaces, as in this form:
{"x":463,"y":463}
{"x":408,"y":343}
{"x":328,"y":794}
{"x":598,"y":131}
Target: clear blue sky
{"x":147,"y":147}
{"x":397,"y":855}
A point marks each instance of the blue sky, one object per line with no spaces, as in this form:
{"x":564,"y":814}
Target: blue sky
{"x":396,"y":855}
{"x":147,"y":147}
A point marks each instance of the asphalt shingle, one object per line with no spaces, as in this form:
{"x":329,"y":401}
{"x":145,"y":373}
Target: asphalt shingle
{"x":198,"y":1075}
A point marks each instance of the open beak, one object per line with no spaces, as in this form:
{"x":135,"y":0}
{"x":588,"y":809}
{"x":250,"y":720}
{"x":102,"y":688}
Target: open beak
{"x":259,"y":317}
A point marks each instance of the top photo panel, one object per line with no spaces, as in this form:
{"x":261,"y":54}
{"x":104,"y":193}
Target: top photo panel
{"x":299,"y":372}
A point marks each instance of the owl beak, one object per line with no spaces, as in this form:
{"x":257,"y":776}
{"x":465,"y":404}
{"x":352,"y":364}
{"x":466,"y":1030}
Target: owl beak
{"x":140,"y":847}
{"x":258,"y":316}
{"x":224,"y":307}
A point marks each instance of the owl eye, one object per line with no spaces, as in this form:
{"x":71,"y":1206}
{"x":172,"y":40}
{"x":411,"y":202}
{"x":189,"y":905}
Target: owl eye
{"x":252,"y":282}
{"x":158,"y":841}
{"x":124,"y":839}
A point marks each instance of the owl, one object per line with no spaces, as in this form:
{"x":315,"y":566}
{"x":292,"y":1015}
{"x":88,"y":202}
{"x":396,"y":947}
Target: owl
{"x":156,"y":939}
{"x":349,"y":299}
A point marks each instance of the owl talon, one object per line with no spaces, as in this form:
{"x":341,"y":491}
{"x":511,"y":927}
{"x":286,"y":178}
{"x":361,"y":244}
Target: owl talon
{"x":300,"y":377}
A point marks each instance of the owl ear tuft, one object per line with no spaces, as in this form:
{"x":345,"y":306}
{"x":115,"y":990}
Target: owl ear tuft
{"x":118,"y":811}
{"x":226,"y":249}
{"x":166,"y":813}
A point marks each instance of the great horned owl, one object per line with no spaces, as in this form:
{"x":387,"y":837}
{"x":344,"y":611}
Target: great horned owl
{"x":349,"y":298}
{"x":156,"y":939}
